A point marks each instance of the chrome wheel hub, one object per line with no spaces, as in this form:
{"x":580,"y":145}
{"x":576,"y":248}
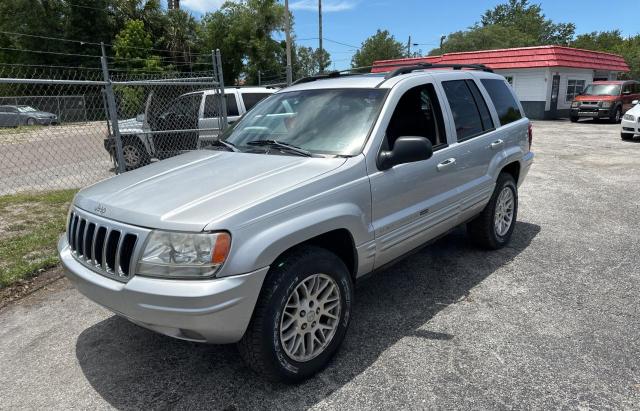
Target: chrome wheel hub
{"x":503,"y":217}
{"x":310,"y":317}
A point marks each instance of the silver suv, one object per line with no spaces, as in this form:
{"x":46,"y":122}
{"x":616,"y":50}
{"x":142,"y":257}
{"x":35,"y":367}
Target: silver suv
{"x":260,"y":239}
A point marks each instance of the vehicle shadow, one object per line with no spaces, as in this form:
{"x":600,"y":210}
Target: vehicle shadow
{"x":131,"y":367}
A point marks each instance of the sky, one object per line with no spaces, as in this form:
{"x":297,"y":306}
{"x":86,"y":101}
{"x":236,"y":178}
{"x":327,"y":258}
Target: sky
{"x":351,"y":21}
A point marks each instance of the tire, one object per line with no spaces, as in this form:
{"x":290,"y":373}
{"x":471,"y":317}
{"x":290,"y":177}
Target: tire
{"x":574,"y":119}
{"x":31,"y":121}
{"x":264,"y":348}
{"x":617,"y":117}
{"x":626,"y":136}
{"x":483,"y":230}
{"x":135,"y":155}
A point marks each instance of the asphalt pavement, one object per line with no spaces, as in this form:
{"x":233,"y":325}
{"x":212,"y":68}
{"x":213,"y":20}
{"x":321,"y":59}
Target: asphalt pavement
{"x":551,"y":321}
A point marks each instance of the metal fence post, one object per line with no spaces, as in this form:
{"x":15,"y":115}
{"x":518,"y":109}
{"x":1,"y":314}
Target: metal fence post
{"x":113,"y":112}
{"x":218,"y":63}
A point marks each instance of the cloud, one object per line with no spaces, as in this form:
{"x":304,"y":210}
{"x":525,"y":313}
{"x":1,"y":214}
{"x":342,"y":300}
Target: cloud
{"x":201,"y":6}
{"x":327,"y":5}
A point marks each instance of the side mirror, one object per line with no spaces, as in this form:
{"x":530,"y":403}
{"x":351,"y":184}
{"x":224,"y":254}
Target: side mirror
{"x":635,"y":102}
{"x":406,"y":149}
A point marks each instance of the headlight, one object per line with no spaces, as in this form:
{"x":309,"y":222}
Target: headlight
{"x":184,"y":255}
{"x":606,"y":104}
{"x":629,"y":117}
{"x":575,"y":104}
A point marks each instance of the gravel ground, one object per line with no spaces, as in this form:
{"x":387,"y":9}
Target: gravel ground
{"x":552,"y":321}
{"x":53,"y":158}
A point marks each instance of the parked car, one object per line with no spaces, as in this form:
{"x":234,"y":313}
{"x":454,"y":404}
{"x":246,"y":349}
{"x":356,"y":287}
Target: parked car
{"x":605,"y":99}
{"x":191,"y":111}
{"x":631,"y":122}
{"x":260,"y":239}
{"x":14,"y":116}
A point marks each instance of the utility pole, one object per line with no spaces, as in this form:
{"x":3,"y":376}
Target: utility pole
{"x":409,"y":47}
{"x":320,"y":52}
{"x":288,"y":34}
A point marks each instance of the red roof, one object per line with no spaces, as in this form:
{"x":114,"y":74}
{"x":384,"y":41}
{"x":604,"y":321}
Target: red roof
{"x":520,"y":58}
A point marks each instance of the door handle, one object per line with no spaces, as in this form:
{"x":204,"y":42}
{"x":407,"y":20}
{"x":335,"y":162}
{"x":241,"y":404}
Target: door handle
{"x":496,"y":144}
{"x":446,"y":164}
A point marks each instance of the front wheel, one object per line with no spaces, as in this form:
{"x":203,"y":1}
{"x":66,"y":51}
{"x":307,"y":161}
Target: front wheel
{"x":31,"y":121}
{"x":626,"y":136}
{"x":574,"y":119}
{"x":301,"y":316}
{"x":135,"y":155}
{"x":493,"y":228}
{"x":617,"y":116}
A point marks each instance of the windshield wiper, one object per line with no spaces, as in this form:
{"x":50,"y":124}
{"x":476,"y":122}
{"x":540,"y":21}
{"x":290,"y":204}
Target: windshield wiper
{"x":229,"y":146}
{"x":280,"y":144}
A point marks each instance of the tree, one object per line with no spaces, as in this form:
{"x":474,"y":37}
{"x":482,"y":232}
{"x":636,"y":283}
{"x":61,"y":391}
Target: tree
{"x":613,"y":42}
{"x":380,"y":46}
{"x":132,"y":45}
{"x":181,"y":36}
{"x":529,"y":19}
{"x":484,"y":38}
{"x":307,"y":61}
{"x":243,"y":33}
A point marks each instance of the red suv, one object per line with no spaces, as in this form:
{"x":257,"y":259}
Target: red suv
{"x":605,"y":99}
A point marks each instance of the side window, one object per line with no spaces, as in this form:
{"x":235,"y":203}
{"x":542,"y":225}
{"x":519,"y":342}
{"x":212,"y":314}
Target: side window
{"x":574,"y":87}
{"x":503,"y":100}
{"x":418,"y":113}
{"x":471,"y":117}
{"x":251,"y":99}
{"x":212,"y":104}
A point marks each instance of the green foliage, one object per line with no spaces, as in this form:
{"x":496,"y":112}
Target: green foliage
{"x":613,"y":42}
{"x":485,"y":38}
{"x":380,"y":46}
{"x":307,"y":60}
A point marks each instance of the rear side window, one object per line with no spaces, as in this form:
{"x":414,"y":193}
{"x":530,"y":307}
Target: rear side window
{"x":251,"y":99}
{"x":470,"y":113}
{"x":503,"y":100}
{"x":211,"y":105}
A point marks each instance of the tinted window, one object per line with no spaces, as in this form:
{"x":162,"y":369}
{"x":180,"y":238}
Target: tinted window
{"x":503,"y":100}
{"x":251,"y":99}
{"x":483,"y":110}
{"x":418,"y":113}
{"x":212,"y":104}
{"x":466,"y":113}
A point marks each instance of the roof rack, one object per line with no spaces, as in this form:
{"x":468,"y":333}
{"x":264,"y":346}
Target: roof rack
{"x":423,"y":66}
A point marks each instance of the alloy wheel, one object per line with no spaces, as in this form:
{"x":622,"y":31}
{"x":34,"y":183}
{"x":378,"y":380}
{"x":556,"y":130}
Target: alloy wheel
{"x":503,"y":217}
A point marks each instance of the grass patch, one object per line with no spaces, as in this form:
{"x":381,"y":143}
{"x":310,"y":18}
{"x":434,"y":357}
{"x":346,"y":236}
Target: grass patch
{"x":30,"y":225}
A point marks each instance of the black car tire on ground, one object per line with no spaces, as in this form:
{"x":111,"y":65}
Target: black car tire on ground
{"x":31,"y":121}
{"x":482,"y":229}
{"x":135,"y":155}
{"x":617,"y":116}
{"x":262,"y":346}
{"x":574,"y":119}
{"x":626,"y":136}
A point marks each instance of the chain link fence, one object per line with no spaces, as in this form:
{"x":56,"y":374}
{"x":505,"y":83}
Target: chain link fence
{"x":70,"y":127}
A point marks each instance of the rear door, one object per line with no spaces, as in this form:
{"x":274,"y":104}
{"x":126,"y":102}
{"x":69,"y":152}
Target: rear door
{"x":476,"y":140}
{"x":628,"y":95}
{"x":250,"y":99}
{"x":209,"y":121}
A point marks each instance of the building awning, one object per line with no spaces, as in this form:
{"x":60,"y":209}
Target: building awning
{"x":520,"y":58}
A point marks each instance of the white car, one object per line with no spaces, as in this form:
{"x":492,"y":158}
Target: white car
{"x":631,"y":122}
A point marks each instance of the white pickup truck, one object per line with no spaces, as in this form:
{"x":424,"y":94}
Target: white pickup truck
{"x":191,"y":111}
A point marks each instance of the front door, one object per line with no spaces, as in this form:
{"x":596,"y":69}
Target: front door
{"x":415,"y":202}
{"x":174,"y":130}
{"x":555,"y":92}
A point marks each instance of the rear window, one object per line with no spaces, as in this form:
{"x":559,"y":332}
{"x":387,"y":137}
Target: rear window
{"x":503,"y":100}
{"x":212,"y":102}
{"x":470,"y":112}
{"x":251,"y":99}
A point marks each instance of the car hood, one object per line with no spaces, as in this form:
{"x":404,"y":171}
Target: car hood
{"x":635,"y":110}
{"x":130,"y":126}
{"x":188,"y":191}
{"x":41,"y":114}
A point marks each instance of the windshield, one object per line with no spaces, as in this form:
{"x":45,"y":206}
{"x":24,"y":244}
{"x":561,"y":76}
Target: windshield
{"x":26,"y":109}
{"x":331,"y":122}
{"x":602,"y":90}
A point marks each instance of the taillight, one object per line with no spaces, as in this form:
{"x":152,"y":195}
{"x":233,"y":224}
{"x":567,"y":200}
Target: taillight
{"x":530,"y":135}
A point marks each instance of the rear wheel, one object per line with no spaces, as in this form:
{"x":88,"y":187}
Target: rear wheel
{"x":301,"y":316}
{"x":574,"y":119}
{"x":493,"y":228}
{"x":135,"y":155}
{"x":31,"y":121}
{"x":626,"y":136}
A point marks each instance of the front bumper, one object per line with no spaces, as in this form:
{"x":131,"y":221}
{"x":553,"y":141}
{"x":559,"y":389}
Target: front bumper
{"x":584,"y":112}
{"x":214,"y":311}
{"x":630,"y":127}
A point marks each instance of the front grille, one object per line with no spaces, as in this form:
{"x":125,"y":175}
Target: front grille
{"x":106,"y":247}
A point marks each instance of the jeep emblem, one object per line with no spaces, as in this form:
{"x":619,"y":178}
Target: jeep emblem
{"x":100,"y":209}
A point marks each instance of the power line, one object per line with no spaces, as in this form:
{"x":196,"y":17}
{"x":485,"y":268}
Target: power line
{"x":49,"y":52}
